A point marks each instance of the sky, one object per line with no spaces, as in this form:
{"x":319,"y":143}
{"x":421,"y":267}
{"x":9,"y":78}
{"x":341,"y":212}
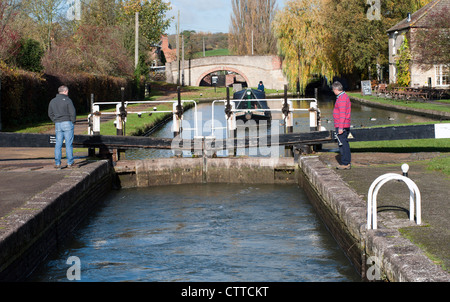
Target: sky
{"x":203,"y":15}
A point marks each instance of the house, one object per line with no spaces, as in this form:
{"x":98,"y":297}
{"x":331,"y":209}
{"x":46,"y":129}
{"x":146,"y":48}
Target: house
{"x":164,"y":47}
{"x":434,"y":76}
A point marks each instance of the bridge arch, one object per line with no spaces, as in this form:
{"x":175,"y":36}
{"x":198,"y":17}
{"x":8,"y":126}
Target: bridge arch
{"x":222,"y":68}
{"x":252,"y":68}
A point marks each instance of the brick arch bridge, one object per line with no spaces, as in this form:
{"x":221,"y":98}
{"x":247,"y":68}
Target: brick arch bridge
{"x":251,"y":68}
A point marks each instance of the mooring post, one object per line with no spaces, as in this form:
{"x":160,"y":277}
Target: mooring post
{"x":288,"y":120}
{"x":121,"y":112}
{"x":178,"y":112}
{"x":313,"y":117}
{"x":92,"y":117}
{"x":231,"y":123}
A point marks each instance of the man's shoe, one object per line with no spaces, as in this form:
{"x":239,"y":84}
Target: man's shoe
{"x":57,"y":167}
{"x":344,"y":167}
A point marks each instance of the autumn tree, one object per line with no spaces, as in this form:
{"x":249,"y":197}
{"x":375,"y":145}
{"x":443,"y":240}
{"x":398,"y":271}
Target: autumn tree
{"x":100,"y":12}
{"x":329,"y":37}
{"x":153,"y":21}
{"x":9,"y":37}
{"x":45,"y":13}
{"x":251,"y":20}
{"x":303,"y":41}
{"x":431,"y":44}
{"x":402,"y":63}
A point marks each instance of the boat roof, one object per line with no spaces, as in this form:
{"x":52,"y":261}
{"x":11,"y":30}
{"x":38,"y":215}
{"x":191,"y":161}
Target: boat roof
{"x":257,"y":94}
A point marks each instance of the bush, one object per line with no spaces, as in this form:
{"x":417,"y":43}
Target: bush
{"x":26,"y":95}
{"x":30,"y":55}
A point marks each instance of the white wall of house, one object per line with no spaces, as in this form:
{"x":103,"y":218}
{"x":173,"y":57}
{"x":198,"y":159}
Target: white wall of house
{"x":436,"y":75}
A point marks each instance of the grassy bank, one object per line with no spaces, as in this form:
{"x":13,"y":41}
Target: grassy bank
{"x":437,"y":105}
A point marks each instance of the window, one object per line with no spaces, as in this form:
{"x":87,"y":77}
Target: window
{"x":442,"y":75}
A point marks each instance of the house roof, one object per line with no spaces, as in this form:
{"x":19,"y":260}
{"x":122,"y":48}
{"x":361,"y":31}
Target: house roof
{"x":419,"y":18}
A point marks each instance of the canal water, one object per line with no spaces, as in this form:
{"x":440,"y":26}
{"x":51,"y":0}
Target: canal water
{"x":212,"y":232}
{"x":203,"y":233}
{"x":362,"y":116}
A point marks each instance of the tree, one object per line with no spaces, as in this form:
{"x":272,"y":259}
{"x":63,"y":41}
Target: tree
{"x":92,"y":49}
{"x":403,"y":64}
{"x":336,"y":37}
{"x":100,"y":12}
{"x":153,"y":21}
{"x":251,"y":20}
{"x":302,"y":42}
{"x":30,"y":55}
{"x":45,"y":13}
{"x":9,"y":38}
{"x":431,"y":45}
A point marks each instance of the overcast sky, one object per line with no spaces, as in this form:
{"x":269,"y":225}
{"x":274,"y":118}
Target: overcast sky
{"x":203,"y":15}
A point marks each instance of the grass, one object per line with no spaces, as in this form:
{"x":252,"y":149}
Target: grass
{"x":409,"y":104}
{"x":403,"y":146}
{"x":212,"y":53}
{"x":441,"y":163}
{"x":136,"y":125}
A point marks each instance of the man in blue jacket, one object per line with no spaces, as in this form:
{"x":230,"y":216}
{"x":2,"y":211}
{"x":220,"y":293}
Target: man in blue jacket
{"x":62,"y":112}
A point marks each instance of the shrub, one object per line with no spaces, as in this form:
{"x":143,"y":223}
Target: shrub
{"x":30,"y":55}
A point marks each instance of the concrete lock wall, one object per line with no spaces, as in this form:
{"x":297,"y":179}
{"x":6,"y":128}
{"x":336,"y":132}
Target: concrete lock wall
{"x":155,"y":172}
{"x":29,"y":235}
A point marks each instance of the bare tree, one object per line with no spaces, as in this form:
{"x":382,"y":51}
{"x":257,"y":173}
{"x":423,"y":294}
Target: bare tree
{"x":251,"y":27}
{"x":9,"y":38}
{"x":46,"y":13}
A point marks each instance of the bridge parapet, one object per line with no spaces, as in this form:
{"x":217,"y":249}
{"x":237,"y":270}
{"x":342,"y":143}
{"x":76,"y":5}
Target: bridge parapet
{"x":252,"y":68}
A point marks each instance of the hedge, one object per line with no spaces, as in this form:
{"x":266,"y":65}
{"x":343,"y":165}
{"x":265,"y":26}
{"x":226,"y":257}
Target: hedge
{"x":25,"y":95}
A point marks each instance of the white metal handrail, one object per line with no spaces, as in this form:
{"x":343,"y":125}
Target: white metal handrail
{"x":98,"y":104}
{"x":291,"y":109}
{"x":372,"y":199}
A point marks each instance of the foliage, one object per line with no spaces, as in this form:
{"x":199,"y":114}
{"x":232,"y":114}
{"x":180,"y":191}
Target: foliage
{"x":403,"y":64}
{"x":345,"y":40}
{"x":45,"y":13}
{"x":30,"y":55}
{"x":251,"y":20}
{"x":26,"y":95}
{"x":152,"y":17}
{"x":432,"y":44}
{"x":302,"y":41}
{"x":9,"y":37}
{"x":92,"y":49}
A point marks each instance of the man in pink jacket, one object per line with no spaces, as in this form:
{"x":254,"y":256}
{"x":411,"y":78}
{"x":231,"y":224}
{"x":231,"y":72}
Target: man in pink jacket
{"x":342,"y":121}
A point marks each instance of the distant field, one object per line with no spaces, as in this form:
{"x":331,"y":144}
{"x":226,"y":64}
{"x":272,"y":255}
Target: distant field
{"x":212,"y":53}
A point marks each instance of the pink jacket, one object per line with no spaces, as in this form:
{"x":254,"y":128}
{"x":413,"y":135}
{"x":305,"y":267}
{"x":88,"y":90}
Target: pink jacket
{"x":342,"y":111}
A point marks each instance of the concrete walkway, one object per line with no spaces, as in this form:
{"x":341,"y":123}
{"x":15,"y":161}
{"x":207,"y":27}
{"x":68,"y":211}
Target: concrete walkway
{"x":433,"y":236}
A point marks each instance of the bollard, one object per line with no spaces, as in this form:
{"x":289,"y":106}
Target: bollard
{"x":119,"y":120}
{"x":288,"y":120}
{"x":178,"y":112}
{"x":96,"y":120}
{"x":313,"y":117}
{"x":231,"y":124}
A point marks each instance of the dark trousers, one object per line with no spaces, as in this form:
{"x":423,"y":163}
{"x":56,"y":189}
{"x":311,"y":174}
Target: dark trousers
{"x":344,"y":147}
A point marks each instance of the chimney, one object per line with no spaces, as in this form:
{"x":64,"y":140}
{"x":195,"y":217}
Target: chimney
{"x":409,"y":17}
